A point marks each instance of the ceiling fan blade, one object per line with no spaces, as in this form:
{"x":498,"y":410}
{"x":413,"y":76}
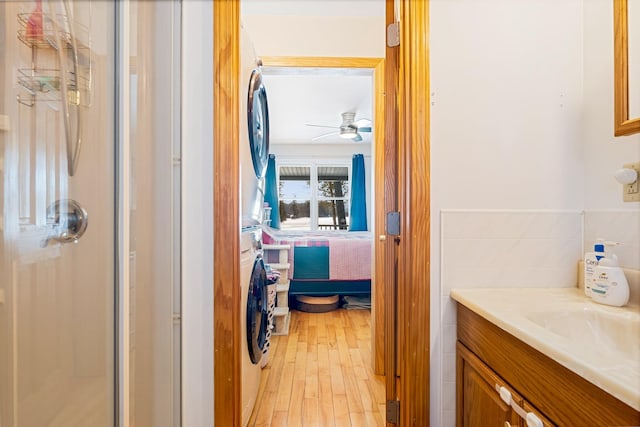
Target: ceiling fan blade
{"x":357,"y":138}
{"x":315,"y":138}
{"x":364,"y":129}
{"x":322,"y":126}
{"x":362,"y":122}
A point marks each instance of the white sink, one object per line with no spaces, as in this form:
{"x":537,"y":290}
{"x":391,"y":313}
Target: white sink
{"x":608,"y":333}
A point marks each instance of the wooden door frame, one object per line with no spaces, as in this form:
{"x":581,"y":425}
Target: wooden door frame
{"x":227,"y":398}
{"x":390,"y":259}
{"x":413,"y":155}
{"x":413,"y":202}
{"x":407,"y":273}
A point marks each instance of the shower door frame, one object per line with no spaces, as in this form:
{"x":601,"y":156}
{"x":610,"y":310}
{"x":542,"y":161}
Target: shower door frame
{"x":123,"y":207}
{"x":123,"y":99}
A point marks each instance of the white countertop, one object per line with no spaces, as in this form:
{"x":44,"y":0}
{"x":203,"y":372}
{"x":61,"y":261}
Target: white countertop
{"x":569,"y":328}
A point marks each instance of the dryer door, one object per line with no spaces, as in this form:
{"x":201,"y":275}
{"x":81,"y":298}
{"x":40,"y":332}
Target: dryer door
{"x":258,"y":122}
{"x":257,"y":311}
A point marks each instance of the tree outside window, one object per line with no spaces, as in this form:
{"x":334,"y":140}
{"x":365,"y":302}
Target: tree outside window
{"x":314,"y":197}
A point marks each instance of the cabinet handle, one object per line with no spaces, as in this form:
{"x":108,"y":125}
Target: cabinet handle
{"x":507,"y":424}
{"x":533,"y":420}
{"x":530,"y":418}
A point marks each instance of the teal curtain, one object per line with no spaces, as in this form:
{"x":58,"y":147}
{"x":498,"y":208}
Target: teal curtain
{"x":271,"y":191}
{"x":358,"y":211}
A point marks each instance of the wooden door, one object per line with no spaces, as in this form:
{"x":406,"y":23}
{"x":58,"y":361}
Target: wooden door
{"x":408,"y":299}
{"x":388,"y":244}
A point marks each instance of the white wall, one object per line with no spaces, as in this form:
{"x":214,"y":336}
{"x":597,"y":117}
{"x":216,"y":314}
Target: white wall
{"x":342,"y":151}
{"x":506,"y":82}
{"x":316,"y":27}
{"x":197,"y":213}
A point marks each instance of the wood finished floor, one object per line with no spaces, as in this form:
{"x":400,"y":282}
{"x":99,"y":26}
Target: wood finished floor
{"x":321,"y":374}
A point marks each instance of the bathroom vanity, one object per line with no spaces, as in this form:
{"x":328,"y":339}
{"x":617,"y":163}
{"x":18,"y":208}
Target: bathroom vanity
{"x":520,"y":355}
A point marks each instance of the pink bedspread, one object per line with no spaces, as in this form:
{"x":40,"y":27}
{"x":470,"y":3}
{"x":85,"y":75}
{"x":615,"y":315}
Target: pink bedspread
{"x":349,"y":259}
{"x":349,"y":252}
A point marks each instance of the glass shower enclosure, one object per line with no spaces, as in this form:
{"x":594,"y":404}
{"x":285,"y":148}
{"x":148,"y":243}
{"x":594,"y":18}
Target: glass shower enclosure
{"x":57,"y":228}
{"x":90,"y":171}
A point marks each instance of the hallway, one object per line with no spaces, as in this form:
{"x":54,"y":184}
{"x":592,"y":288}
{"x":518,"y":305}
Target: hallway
{"x":321,"y":375}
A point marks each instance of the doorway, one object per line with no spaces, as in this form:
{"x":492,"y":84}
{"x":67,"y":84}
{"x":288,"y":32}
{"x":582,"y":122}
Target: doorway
{"x":363,"y":68}
{"x":314,"y":335}
{"x":226,"y":315}
{"x":411,"y":313}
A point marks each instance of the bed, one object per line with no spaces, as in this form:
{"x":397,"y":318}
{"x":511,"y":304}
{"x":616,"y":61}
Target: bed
{"x":325,"y":263}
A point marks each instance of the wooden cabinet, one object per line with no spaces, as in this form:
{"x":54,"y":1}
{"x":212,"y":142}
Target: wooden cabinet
{"x":478,"y":399}
{"x":488,"y":356}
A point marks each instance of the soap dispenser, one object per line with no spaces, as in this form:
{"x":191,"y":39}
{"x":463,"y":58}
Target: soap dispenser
{"x":590,"y":263}
{"x":610,"y":286}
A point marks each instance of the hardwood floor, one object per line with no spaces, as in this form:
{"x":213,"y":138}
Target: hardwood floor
{"x":321,"y":374}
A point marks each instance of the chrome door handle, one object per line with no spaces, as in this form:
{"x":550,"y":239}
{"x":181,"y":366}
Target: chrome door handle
{"x":69,"y":221}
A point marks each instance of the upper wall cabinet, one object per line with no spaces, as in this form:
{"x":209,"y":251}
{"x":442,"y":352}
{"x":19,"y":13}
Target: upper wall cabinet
{"x":626,"y":26}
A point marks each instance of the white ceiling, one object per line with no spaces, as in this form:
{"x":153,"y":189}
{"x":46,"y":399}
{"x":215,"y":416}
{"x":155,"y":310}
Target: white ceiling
{"x":300,"y":97}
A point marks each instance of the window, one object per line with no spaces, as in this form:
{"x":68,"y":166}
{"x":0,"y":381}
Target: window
{"x":332,"y":198}
{"x":314,"y":197}
{"x":294,"y":190}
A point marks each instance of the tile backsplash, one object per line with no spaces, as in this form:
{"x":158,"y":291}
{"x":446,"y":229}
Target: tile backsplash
{"x":481,"y":249}
{"x":489,"y":249}
{"x":621,"y":226}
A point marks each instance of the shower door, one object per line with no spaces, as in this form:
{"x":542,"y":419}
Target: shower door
{"x":57,"y":216}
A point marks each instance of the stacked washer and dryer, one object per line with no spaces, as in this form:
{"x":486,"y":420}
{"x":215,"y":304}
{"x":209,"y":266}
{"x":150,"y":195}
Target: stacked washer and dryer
{"x":254,"y":154}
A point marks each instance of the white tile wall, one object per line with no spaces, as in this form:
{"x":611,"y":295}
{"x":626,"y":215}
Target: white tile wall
{"x":619,"y":226}
{"x":481,"y":249}
{"x":506,"y":249}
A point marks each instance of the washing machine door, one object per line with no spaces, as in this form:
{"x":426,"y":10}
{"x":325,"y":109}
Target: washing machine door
{"x":258,"y":122}
{"x":257,"y":311}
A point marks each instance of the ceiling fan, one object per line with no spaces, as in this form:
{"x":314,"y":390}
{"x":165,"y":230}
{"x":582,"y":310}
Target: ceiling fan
{"x":348,"y":129}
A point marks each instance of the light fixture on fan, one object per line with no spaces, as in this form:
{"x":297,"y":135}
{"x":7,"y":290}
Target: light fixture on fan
{"x":348,"y":132}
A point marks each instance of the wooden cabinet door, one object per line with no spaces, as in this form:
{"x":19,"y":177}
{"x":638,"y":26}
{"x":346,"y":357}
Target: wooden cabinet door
{"x":478,"y":402}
